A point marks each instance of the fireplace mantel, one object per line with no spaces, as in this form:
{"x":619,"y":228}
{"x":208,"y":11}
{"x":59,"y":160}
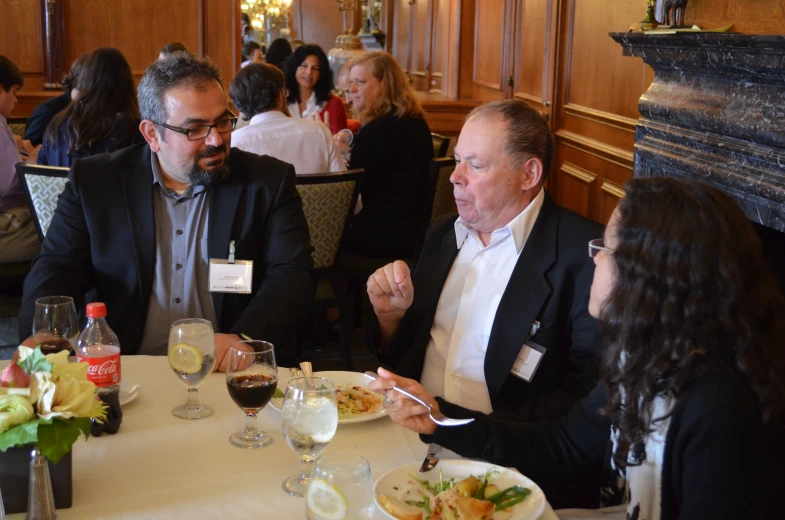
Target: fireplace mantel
{"x":715,"y":112}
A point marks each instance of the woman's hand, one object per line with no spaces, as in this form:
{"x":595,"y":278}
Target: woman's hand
{"x":400,"y":408}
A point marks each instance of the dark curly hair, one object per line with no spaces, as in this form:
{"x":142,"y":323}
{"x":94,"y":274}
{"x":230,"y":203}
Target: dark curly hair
{"x":692,"y":290}
{"x":325,"y":83}
{"x":256,"y":88}
{"x":279,"y":51}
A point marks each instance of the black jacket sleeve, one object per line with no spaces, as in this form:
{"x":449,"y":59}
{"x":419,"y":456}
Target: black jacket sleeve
{"x":37,"y":123}
{"x":566,"y":458}
{"x":289,"y":284}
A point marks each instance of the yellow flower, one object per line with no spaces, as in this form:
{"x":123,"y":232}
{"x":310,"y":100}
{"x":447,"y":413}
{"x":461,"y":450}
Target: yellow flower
{"x":61,"y":366}
{"x":66,"y":397}
{"x":14,"y":410}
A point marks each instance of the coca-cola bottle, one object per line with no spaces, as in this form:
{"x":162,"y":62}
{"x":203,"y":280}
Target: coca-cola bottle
{"x":99,"y":347}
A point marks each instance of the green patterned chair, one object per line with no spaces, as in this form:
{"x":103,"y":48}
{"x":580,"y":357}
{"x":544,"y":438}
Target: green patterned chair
{"x":440,"y":145}
{"x":18,"y":125}
{"x":42,"y":186}
{"x":328,"y":203}
{"x":443,"y":200}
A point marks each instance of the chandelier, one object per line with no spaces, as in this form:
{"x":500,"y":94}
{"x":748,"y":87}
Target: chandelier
{"x":265,"y":14}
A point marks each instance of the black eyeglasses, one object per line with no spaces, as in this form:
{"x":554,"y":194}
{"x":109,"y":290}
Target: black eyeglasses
{"x":196,"y":133}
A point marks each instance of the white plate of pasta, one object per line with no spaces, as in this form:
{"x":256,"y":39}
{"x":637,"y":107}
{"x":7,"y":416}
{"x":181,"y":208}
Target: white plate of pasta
{"x":356,"y":403}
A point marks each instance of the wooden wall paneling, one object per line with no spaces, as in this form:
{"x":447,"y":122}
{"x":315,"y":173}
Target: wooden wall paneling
{"x":489,"y":50}
{"x":318,"y":21}
{"x":466,"y":49}
{"x":401,"y":43}
{"x":441,"y":29}
{"x":20,"y":42}
{"x":578,"y":188}
{"x":534,"y":61}
{"x":610,"y":195}
{"x":748,"y":16}
{"x":118,"y":24}
{"x":221,"y":21}
{"x":419,"y":36}
{"x":596,"y":104}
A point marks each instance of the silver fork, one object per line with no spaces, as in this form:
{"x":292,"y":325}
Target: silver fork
{"x":436,"y":416}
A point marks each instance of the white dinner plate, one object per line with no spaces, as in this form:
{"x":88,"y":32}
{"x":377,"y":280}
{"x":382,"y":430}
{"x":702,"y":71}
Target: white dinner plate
{"x":128,"y":392}
{"x":339,"y":379}
{"x":397,"y":483}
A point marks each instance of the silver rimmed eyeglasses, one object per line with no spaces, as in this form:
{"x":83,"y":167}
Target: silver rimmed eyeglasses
{"x":201,"y":131}
{"x":597,"y":245}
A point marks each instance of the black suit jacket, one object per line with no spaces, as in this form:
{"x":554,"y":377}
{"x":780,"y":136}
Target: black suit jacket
{"x":102,"y":241}
{"x":43,"y":114}
{"x":550,"y":284}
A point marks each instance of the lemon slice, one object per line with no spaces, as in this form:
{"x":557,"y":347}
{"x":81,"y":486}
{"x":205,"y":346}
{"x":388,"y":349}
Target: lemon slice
{"x":185,"y":358}
{"x":326,"y":502}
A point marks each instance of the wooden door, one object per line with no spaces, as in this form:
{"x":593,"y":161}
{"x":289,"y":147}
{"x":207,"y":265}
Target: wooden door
{"x":491,"y":49}
{"x":596,"y":107}
{"x":534,"y":53}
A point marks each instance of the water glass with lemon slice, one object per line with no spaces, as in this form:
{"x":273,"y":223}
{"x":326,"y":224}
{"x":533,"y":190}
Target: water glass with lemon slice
{"x":192,"y":357}
{"x":340,"y":489}
{"x":309,"y":418}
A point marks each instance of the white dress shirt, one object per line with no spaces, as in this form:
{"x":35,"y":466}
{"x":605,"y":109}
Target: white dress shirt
{"x":311,"y":108}
{"x":454,"y":365}
{"x":306,"y":144}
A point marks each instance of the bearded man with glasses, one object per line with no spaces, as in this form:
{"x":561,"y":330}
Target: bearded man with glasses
{"x":139,"y":229}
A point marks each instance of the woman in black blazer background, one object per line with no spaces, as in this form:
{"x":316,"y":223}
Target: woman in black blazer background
{"x":394,"y":147}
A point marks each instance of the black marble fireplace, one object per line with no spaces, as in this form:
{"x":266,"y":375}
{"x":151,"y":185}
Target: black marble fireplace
{"x":716,"y":112}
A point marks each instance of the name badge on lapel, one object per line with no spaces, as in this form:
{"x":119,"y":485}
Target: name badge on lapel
{"x":529,"y":358}
{"x":231,"y":276}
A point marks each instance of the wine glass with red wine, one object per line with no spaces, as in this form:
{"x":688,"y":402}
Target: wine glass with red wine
{"x":55,"y":324}
{"x":252,"y":377}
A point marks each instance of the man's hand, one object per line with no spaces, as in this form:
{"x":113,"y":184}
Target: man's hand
{"x":222,"y":344}
{"x":343,"y":141}
{"x":390,"y":290}
{"x":403,"y":410}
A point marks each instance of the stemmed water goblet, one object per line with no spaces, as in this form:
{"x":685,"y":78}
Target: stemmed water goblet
{"x":251,"y":377}
{"x":55,"y":324}
{"x":309,"y":419}
{"x":192,"y":357}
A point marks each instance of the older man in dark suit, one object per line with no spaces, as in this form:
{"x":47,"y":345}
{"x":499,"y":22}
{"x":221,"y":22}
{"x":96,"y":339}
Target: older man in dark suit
{"x":495,"y":318}
{"x":140,"y":229}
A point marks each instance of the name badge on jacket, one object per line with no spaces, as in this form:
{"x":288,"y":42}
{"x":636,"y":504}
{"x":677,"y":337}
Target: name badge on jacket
{"x":529,"y":358}
{"x":231,"y":276}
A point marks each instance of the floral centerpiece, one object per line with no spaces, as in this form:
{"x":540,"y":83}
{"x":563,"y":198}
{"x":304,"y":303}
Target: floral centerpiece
{"x":46,"y":401}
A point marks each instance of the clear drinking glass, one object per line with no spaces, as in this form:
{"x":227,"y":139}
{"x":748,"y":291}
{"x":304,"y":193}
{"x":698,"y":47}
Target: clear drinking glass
{"x":309,"y":419}
{"x":251,"y":377}
{"x":55,"y":324}
{"x":340,"y":483}
{"x":192,"y":357}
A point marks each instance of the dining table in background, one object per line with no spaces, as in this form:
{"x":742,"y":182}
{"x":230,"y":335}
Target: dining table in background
{"x":161,"y":467}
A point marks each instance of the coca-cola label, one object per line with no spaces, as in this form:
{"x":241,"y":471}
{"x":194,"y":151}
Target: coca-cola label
{"x":103,"y":371}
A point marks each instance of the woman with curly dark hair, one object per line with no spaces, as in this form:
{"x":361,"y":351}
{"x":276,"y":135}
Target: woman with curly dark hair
{"x":310,"y":82}
{"x":687,"y":422}
{"x":103,"y":115}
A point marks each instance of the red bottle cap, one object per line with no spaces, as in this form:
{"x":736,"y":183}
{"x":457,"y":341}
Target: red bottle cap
{"x":96,"y":310}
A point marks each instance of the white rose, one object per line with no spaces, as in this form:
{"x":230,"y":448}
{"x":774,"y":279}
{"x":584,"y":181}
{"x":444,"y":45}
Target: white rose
{"x":68,"y":397}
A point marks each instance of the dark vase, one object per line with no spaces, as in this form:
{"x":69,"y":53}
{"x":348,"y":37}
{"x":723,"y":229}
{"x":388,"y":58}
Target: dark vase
{"x":15,"y":475}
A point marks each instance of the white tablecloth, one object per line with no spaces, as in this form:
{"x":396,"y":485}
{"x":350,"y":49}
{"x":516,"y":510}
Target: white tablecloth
{"x":162,"y":467}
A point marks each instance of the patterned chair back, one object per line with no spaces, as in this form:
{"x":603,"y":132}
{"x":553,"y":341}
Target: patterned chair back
{"x":42,"y":185}
{"x":18,"y":125}
{"x":328,"y":202}
{"x":443,"y":200}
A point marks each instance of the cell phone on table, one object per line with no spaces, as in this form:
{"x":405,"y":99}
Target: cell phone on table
{"x":24,"y":153}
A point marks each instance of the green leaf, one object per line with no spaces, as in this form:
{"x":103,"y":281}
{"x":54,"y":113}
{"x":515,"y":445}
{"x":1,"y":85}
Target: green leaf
{"x":278,"y":394}
{"x":84,"y":424}
{"x":26,"y":433}
{"x":56,"y":439}
{"x":35,"y":362}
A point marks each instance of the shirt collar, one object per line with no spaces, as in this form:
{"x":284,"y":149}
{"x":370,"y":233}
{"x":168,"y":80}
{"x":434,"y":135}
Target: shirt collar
{"x":520,"y":227}
{"x":267,"y":116}
{"x":158,"y":178}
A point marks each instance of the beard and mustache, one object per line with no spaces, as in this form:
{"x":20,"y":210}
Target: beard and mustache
{"x":213,"y":175}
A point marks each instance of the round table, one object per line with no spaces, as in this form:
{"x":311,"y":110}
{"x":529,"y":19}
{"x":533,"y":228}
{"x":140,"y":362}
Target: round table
{"x":162,"y":467}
